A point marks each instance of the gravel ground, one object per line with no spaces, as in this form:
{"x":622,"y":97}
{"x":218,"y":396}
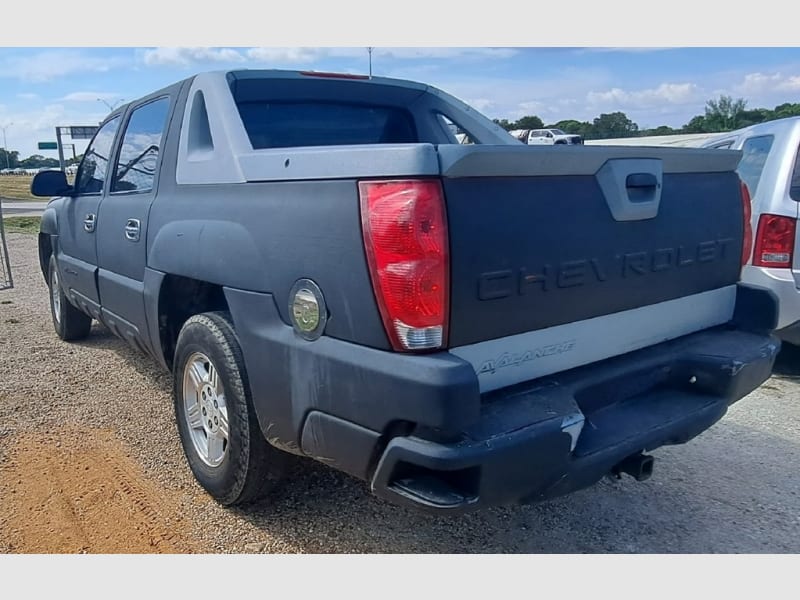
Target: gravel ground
{"x":99,"y":407}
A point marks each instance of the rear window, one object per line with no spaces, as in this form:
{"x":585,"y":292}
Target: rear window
{"x":290,"y":124}
{"x":754,"y":156}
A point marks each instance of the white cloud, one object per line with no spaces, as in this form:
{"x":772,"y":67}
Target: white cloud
{"x":38,"y":125}
{"x":620,"y":99}
{"x":481,"y":104}
{"x":531,"y":107}
{"x":187,"y":56}
{"x":28,"y":96}
{"x":756,"y":84}
{"x":285,"y":55}
{"x":89,"y":96}
{"x":51,"y":64}
{"x":439,"y":53}
{"x":307,"y":55}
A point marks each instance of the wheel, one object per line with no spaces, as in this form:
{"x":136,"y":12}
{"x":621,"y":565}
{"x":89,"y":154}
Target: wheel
{"x":219,"y":431}
{"x":70,"y":323}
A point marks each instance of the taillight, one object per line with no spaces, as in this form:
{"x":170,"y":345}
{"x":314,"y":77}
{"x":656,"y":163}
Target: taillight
{"x":774,"y":241}
{"x":405,"y":237}
{"x":747,"y":246}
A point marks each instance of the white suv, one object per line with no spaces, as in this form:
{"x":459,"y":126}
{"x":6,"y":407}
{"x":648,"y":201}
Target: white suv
{"x":771,"y":169}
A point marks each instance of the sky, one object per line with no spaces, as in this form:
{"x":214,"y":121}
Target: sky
{"x":42,"y":87}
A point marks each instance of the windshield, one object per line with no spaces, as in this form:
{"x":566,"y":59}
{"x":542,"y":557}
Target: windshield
{"x":558,"y":132}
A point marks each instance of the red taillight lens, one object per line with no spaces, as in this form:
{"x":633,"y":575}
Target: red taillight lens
{"x":405,"y":236}
{"x":774,"y":241}
{"x":747,"y":246}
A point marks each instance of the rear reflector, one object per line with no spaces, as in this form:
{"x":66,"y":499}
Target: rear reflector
{"x":774,"y":241}
{"x":405,"y":238}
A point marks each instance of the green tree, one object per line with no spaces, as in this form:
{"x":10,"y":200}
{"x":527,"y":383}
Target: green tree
{"x":661,"y":130}
{"x":756,"y":115}
{"x":570,"y":126}
{"x":529,"y":122}
{"x":696,"y":125}
{"x":613,"y":125}
{"x":38,"y":161}
{"x":787,"y":109}
{"x":724,"y":114}
{"x":9,"y":159}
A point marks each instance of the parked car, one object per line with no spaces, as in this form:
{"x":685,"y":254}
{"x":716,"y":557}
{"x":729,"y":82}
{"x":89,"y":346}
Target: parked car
{"x":328,"y":273}
{"x":546,"y":137}
{"x":770,"y":167}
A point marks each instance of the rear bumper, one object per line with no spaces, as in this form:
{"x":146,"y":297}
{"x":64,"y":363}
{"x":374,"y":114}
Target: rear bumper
{"x":782,"y":283}
{"x":563,"y":433}
{"x":418,"y":430}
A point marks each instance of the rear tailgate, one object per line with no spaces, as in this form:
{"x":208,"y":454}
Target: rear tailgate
{"x":564,"y":256}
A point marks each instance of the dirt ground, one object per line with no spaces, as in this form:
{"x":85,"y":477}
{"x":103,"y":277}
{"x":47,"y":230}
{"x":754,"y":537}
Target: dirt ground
{"x":90,"y":462}
{"x":79,"y":491}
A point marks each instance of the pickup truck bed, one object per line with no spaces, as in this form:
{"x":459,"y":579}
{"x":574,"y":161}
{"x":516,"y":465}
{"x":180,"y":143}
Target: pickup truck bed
{"x":459,"y":325}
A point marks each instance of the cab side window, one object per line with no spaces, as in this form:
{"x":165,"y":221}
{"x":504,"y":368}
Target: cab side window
{"x":136,"y":165}
{"x":94,"y":167}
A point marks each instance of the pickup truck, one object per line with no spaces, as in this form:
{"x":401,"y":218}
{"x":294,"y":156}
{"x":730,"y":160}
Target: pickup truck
{"x":328,"y":273}
{"x":770,"y":167}
{"x":547,"y":137}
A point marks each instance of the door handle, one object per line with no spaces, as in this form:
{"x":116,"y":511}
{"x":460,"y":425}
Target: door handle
{"x":133,"y":229}
{"x":89,"y":222}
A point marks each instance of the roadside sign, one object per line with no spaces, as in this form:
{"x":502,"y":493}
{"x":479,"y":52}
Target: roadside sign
{"x":48,"y":146}
{"x":82,"y":132}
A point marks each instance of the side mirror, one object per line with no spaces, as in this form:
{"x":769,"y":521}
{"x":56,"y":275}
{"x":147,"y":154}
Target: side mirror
{"x":51,"y":183}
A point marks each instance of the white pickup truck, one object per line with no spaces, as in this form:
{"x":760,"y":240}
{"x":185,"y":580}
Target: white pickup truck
{"x":546,"y":137}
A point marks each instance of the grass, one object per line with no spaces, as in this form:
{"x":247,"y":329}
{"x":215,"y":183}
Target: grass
{"x":17,"y":187}
{"x":22,"y":224}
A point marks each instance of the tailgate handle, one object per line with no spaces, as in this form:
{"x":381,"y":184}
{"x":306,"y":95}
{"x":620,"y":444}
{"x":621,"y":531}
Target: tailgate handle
{"x":632,"y":187}
{"x":641,"y":180}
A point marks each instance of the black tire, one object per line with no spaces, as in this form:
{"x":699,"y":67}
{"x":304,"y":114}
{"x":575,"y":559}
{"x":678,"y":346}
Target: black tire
{"x":250,"y":467}
{"x":70,"y":323}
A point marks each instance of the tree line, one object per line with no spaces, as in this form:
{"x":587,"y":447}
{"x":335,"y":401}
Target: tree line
{"x":721,"y":114}
{"x":10,"y":159}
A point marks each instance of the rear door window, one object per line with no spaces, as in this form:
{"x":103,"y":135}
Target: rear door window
{"x":794,"y":184}
{"x":754,"y":155}
{"x":138,"y":157}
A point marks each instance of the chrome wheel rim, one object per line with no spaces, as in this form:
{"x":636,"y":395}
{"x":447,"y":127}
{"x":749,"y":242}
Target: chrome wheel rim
{"x":205,"y":410}
{"x":55,"y":295}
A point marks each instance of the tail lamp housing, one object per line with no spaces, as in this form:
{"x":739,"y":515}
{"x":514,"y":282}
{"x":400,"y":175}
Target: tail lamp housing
{"x":774,"y":245}
{"x":405,"y":238}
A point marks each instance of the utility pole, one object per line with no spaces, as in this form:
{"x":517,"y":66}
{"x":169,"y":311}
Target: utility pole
{"x":5,"y":145}
{"x":370,"y":49}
